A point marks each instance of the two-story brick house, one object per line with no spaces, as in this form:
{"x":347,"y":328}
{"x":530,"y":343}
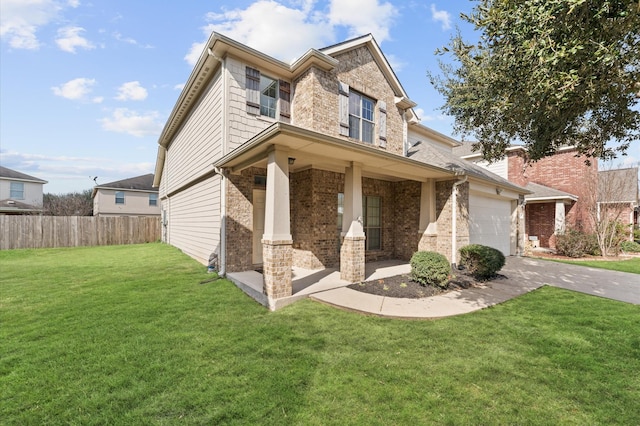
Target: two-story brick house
{"x":314,"y":164}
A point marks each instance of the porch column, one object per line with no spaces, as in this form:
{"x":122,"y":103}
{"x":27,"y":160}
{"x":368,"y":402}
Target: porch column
{"x":560,"y":219}
{"x":428,"y":228}
{"x":352,"y":259}
{"x":277,"y":253}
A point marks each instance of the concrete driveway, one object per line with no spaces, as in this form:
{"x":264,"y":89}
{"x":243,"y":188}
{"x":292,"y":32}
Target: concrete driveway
{"x":615,"y":285}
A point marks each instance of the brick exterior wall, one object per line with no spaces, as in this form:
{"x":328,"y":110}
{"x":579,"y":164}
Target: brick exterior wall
{"x":563,"y":171}
{"x":406,"y":219}
{"x":540,"y":221}
{"x":444,"y":214}
{"x":315,"y":104}
{"x":314,"y":213}
{"x":239,"y":223}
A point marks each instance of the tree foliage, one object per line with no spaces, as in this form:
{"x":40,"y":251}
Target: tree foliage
{"x":547,"y":73}
{"x":71,"y":204}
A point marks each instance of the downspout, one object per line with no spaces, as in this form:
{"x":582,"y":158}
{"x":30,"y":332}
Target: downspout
{"x":454,"y":218}
{"x":222,"y":259}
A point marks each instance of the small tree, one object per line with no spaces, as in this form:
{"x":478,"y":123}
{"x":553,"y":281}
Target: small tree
{"x":606,"y":208}
{"x":71,"y":204}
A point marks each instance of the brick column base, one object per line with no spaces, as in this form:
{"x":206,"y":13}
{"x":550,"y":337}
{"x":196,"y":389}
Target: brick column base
{"x":277,"y":259}
{"x":428,"y":243}
{"x":352,"y":259}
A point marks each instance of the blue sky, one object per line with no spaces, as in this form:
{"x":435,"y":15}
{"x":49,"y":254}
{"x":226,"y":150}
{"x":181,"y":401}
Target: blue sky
{"x":86,"y":86}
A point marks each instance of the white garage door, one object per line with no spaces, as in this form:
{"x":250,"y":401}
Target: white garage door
{"x":490,"y":222}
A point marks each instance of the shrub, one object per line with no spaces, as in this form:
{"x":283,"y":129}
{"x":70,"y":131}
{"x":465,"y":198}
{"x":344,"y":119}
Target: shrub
{"x":574,"y":243}
{"x":430,"y":268}
{"x":630,"y":246}
{"x":481,"y":261}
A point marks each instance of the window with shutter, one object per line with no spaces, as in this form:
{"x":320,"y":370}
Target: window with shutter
{"x":253,"y":91}
{"x":361,"y":115}
{"x":285,"y":101}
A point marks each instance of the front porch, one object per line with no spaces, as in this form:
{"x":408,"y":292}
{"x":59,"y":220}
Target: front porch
{"x":305,"y":282}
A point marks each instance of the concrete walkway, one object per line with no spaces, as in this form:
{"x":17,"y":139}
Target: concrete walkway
{"x":523,"y":275}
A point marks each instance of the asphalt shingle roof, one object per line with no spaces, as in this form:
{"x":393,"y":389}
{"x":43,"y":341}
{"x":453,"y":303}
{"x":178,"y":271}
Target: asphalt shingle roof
{"x":13,"y":174}
{"x":429,"y":154}
{"x":140,"y":183}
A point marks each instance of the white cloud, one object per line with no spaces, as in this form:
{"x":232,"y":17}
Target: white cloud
{"x":131,"y":91}
{"x":312,"y":27}
{"x":273,"y":35}
{"x":118,"y":36}
{"x":20,"y":20}
{"x":124,"y":120}
{"x":441,"y":16}
{"x":75,"y":89}
{"x":179,"y":86}
{"x":69,"y":39}
{"x":73,"y":3}
{"x":364,"y":17}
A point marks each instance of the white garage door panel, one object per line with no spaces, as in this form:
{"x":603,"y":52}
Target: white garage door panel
{"x":490,"y":222}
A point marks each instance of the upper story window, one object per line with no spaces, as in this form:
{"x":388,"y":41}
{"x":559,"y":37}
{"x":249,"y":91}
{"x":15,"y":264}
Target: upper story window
{"x":153,"y":199}
{"x":268,"y":97}
{"x":119,"y":197}
{"x":361,"y":119}
{"x":360,"y":116}
{"x":16,"y":191}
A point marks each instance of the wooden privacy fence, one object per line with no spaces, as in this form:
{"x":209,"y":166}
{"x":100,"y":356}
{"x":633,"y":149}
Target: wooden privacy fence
{"x":18,"y":232}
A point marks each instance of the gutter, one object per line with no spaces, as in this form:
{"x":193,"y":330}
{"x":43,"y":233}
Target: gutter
{"x":454,"y":218}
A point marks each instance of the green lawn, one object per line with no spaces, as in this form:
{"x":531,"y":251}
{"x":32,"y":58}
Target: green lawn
{"x":129,"y":335}
{"x":629,"y":265}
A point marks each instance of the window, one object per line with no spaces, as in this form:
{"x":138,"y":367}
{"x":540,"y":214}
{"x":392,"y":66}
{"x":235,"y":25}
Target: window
{"x":372,"y":222}
{"x":16,"y":191}
{"x":267,"y":97}
{"x":268,"y":100}
{"x":119,"y":197}
{"x":361,"y":116}
{"x":153,"y":199}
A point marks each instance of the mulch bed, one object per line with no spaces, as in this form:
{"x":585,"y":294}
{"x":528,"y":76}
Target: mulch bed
{"x":401,"y":286}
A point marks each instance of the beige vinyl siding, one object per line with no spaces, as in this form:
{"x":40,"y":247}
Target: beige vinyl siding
{"x":136,"y":203}
{"x":198,"y":143}
{"x":32,"y":191}
{"x":499,"y":167}
{"x":242,"y":126}
{"x":414,"y":138}
{"x":193,"y":219}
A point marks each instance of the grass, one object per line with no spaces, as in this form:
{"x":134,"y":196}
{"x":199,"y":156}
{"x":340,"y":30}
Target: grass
{"x":129,"y":335}
{"x":629,"y":265}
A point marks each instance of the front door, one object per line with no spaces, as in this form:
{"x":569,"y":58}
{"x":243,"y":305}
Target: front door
{"x":259,"y":200}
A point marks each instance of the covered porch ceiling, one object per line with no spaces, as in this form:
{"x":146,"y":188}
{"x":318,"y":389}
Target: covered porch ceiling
{"x":310,"y":149}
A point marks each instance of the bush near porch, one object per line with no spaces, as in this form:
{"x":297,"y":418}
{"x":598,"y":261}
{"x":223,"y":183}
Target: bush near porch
{"x":139,"y":335}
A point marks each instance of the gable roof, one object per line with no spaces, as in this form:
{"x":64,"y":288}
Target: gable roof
{"x":13,"y":174}
{"x":429,"y":154}
{"x":619,"y":185}
{"x":142,"y":183}
{"x":545,"y":193}
{"x":402,"y":99}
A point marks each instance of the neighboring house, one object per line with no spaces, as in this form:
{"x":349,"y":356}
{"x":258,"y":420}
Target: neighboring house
{"x":20,"y":193}
{"x":618,"y":195}
{"x":562,"y":189}
{"x":128,"y":197}
{"x":319,"y":163}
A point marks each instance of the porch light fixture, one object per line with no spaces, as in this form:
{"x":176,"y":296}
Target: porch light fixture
{"x":291,"y":161}
{"x":498,"y":190}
